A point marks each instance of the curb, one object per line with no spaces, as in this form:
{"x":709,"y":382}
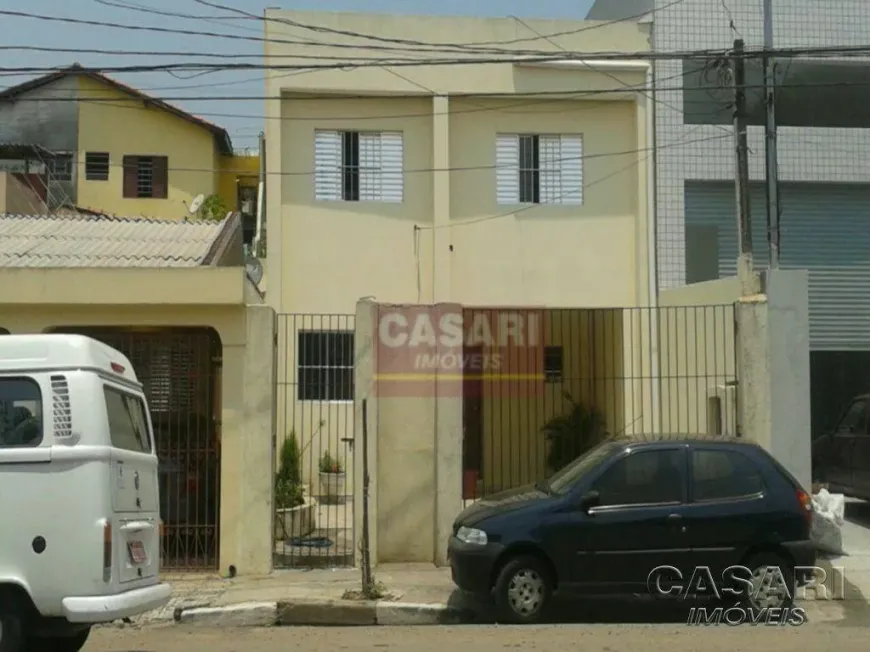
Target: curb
{"x":336,"y":613}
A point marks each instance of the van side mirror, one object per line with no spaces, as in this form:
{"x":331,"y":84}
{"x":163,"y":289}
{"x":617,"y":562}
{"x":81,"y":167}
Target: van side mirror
{"x":589,"y":500}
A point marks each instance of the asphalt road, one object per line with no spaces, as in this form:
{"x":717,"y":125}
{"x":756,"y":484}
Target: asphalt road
{"x":480,"y":638}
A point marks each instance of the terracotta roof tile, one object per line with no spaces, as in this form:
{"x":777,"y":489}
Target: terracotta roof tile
{"x":95,"y":241}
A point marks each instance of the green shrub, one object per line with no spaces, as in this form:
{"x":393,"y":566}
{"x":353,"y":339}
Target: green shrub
{"x":571,"y":434}
{"x":288,"y":480}
{"x":329,"y":464}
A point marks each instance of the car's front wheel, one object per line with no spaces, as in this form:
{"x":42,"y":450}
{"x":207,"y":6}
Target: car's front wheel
{"x":10,"y":625}
{"x":72,"y":643}
{"x":522,"y":590}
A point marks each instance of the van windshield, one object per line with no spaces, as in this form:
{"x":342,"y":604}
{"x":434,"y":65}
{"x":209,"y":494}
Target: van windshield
{"x":566,"y":477}
{"x":128,"y":424}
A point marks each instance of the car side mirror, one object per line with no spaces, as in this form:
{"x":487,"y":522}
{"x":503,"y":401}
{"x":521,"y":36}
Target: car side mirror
{"x":589,"y":500}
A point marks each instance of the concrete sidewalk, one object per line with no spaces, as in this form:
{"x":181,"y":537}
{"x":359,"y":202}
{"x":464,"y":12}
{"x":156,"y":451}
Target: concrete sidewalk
{"x":416,"y":594}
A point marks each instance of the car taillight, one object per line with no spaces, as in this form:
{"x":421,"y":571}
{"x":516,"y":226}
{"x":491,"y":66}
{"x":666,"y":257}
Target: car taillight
{"x":107,"y":552}
{"x":806,"y":503}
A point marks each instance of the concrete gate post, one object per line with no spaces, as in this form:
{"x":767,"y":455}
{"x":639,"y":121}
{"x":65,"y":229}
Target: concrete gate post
{"x":773,"y":365}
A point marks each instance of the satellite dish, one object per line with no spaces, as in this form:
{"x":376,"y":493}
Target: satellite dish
{"x":255,"y":269}
{"x":196,"y":204}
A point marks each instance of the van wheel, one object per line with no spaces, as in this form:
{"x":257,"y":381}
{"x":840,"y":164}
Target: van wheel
{"x":72,"y":643}
{"x":10,"y":626}
{"x":522,"y":591}
{"x":772,"y":581}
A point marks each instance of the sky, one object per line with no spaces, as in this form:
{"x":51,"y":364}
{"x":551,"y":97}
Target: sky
{"x":242,"y":118}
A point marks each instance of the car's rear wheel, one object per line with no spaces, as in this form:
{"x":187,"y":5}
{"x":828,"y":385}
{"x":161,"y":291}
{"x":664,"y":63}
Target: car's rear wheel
{"x":10,"y":625}
{"x":72,"y":643}
{"x":522,"y":590}
{"x":772,"y":578}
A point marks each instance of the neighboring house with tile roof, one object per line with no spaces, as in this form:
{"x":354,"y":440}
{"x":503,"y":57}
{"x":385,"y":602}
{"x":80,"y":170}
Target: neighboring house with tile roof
{"x":120,"y":151}
{"x":175,"y":298}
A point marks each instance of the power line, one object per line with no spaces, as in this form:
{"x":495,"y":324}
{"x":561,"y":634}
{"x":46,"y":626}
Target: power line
{"x":566,"y":94}
{"x":512,"y":212}
{"x":454,"y":48}
{"x":399,"y":41}
{"x":469,"y":168}
{"x":262,"y":39}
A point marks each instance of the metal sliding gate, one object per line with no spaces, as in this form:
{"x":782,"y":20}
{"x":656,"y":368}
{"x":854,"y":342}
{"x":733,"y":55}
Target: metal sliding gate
{"x":638,"y":372}
{"x":314,"y":498}
{"x":180,"y":369}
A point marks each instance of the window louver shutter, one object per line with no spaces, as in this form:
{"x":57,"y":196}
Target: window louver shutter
{"x":60,"y":407}
{"x":550,"y":157}
{"x":507,"y":174}
{"x":369,"y":167}
{"x":392,"y":167}
{"x":327,"y":165}
{"x":572,"y":170}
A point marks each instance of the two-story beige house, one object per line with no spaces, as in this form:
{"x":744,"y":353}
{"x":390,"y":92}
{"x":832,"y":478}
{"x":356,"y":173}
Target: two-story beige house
{"x":509,"y":183}
{"x":490,"y":177}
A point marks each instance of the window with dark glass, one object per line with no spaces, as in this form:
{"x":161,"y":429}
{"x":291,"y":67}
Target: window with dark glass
{"x":553,"y":364}
{"x":128,"y":425}
{"x":644,"y":477}
{"x":724,"y":475}
{"x":530,"y":170}
{"x":325,"y":366}
{"x":21,"y":418}
{"x":97,"y":166}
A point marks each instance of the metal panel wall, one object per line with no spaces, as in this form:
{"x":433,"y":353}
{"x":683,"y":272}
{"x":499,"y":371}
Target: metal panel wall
{"x":824,"y":228}
{"x":52,"y":123}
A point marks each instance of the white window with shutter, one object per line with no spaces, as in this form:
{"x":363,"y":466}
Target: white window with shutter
{"x":539,"y":169}
{"x":359,"y":166}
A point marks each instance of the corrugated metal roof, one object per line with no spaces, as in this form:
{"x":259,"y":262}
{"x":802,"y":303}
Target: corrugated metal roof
{"x":95,"y":241}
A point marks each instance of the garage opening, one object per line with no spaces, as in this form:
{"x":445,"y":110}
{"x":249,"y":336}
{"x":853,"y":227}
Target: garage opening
{"x":180,"y":369}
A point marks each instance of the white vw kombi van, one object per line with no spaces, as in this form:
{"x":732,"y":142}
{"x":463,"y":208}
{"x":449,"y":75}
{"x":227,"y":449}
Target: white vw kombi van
{"x":79,"y":520}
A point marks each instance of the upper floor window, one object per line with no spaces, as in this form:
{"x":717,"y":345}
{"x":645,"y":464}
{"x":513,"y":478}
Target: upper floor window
{"x":358,"y":166}
{"x":97,"y":166}
{"x":533,"y":169}
{"x":146,"y":177}
{"x":60,"y":167}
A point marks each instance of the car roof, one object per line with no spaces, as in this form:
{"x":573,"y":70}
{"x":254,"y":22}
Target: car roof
{"x":663,"y":439}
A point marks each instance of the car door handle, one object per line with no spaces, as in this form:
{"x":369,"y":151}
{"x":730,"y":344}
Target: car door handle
{"x":675,"y":518}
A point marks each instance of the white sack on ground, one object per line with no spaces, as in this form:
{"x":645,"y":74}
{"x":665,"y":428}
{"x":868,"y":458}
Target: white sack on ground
{"x":829,"y":513}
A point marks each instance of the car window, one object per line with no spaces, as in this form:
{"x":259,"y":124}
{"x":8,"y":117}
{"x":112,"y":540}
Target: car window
{"x":644,"y":477}
{"x":724,"y":475}
{"x":567,"y":477}
{"x":854,"y":421}
{"x":20,"y":413}
{"x":128,"y":424}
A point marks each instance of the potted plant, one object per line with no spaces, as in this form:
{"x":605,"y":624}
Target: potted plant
{"x":294,"y":515}
{"x":573,"y":433}
{"x":332,"y":479}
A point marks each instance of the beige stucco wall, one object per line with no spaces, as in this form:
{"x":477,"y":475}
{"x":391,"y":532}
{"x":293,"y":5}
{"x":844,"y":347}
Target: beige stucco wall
{"x":37,"y":300}
{"x":121,"y":125}
{"x":697,"y":355}
{"x":449,"y":241}
{"x":478,"y":252}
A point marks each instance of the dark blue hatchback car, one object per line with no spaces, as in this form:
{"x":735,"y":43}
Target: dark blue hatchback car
{"x":602,"y":524}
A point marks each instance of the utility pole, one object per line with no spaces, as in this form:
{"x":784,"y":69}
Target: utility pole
{"x":741,"y":171}
{"x":771,"y":164}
